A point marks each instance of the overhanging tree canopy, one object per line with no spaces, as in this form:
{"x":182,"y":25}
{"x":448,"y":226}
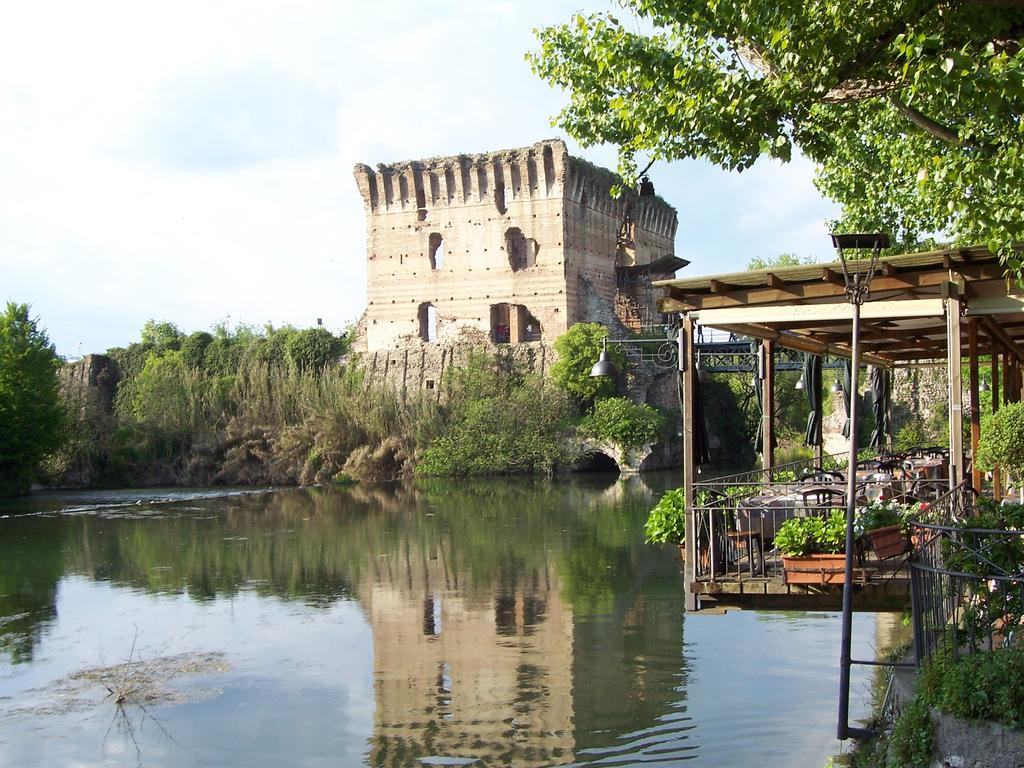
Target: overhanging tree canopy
{"x":911,"y":109}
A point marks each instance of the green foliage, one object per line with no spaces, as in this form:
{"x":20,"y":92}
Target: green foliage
{"x":193,"y":349}
{"x":979,"y":686}
{"x":910,"y":745}
{"x":312,"y":348}
{"x":666,"y":522}
{"x":578,"y":349}
{"x":782,"y":260}
{"x":623,"y":422}
{"x":882,"y":514}
{"x":911,"y":111}
{"x":161,"y":336}
{"x":499,"y":422}
{"x":1002,"y":440}
{"x":801,"y":536}
{"x":32,"y":416}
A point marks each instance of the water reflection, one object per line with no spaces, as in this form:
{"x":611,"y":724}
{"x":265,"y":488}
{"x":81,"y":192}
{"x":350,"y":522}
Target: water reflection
{"x":509,"y":622}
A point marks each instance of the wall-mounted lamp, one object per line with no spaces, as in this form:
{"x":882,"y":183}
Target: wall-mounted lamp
{"x":604,"y":368}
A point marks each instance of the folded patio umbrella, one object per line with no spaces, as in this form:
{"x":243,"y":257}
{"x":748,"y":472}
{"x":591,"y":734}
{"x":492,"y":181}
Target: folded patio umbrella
{"x":812,"y":388}
{"x":880,"y":394}
{"x":847,"y":379}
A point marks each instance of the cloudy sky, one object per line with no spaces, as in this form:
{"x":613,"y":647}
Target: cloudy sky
{"x":192,"y":161}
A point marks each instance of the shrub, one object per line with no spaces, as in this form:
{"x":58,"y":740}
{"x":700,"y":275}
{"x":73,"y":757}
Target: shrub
{"x":624,"y":422}
{"x":981,"y":686}
{"x":1002,"y":440}
{"x":910,"y":745}
{"x":578,"y":349}
{"x":666,"y":522}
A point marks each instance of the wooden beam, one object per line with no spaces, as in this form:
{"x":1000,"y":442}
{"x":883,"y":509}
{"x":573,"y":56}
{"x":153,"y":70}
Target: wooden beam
{"x":956,"y":440}
{"x":803,"y":344}
{"x":995,"y":305}
{"x":833,"y":277}
{"x":717,"y":286}
{"x":686,"y":374}
{"x":768,"y":402}
{"x":700,"y":298}
{"x":997,"y":482}
{"x":826,"y":313}
{"x":1005,"y":339}
{"x":975,"y":403}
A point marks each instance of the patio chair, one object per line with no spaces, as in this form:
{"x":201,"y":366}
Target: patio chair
{"x":825,"y":498}
{"x":819,"y":475}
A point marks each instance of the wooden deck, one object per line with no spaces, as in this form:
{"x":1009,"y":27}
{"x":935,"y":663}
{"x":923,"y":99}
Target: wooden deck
{"x":879,"y":587}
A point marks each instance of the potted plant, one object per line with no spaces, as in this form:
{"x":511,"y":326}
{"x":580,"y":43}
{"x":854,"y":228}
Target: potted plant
{"x":813,"y":549}
{"x":666,"y":522}
{"x":884,"y":525}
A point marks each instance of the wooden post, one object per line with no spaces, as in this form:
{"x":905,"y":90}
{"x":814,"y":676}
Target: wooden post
{"x":686,"y":373}
{"x":956,"y":440}
{"x":997,"y":481}
{"x":972,"y":340}
{"x":768,"y":401}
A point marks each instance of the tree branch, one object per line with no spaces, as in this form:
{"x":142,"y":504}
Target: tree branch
{"x":924,"y":122}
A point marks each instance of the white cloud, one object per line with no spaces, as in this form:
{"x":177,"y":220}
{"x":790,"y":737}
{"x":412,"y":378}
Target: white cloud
{"x":191,"y":161}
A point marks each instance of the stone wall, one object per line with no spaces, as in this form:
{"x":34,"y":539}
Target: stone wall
{"x":91,"y":383}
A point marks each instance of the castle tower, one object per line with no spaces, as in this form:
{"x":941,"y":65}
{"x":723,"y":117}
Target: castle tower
{"x":517,"y":244}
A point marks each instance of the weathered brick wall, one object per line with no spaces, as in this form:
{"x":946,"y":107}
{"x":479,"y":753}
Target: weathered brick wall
{"x":517,"y":245}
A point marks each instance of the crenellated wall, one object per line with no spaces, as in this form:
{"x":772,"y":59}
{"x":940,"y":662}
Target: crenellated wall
{"x":497,"y":243}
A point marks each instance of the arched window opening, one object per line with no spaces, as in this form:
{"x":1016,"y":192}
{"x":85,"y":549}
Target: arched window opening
{"x":499,"y":198}
{"x":436,"y":250}
{"x":522,"y":251}
{"x":549,"y":169}
{"x":421,"y":203}
{"x":427,"y":317}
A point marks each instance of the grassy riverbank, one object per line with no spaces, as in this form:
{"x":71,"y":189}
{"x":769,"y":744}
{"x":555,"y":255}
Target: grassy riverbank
{"x":284,"y":406}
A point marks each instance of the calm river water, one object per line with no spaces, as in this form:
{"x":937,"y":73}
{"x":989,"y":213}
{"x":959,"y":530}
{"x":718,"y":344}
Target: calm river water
{"x":495,"y":622}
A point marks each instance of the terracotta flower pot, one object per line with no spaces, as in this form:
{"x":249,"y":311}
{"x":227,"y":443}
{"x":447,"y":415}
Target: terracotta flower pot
{"x":815,"y":569}
{"x":888,"y":541}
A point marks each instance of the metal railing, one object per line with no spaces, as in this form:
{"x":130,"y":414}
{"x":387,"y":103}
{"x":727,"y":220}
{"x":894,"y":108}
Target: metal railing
{"x":736,"y":517}
{"x":967,"y":584}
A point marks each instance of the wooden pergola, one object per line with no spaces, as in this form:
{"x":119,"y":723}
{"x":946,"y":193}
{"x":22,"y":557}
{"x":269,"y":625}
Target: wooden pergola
{"x":932,"y":308}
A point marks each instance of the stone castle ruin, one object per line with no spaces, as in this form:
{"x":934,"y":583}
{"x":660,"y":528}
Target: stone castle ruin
{"x":511,"y":247}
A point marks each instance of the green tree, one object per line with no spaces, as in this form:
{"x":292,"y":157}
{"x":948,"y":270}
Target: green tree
{"x":32,"y":416}
{"x":193,"y":349}
{"x":578,"y":350}
{"x":312,"y":348}
{"x":782,"y":260}
{"x":161,"y":336}
{"x":911,"y":109}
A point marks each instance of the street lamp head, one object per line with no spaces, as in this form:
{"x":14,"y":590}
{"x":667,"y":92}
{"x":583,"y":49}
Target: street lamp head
{"x":604,"y":368}
{"x":984,"y":387}
{"x":837,"y":388}
{"x":800,"y":383}
{"x":861,"y":241}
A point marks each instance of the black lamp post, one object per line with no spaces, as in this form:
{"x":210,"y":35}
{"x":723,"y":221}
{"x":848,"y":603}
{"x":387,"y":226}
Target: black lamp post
{"x":858,"y":286}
